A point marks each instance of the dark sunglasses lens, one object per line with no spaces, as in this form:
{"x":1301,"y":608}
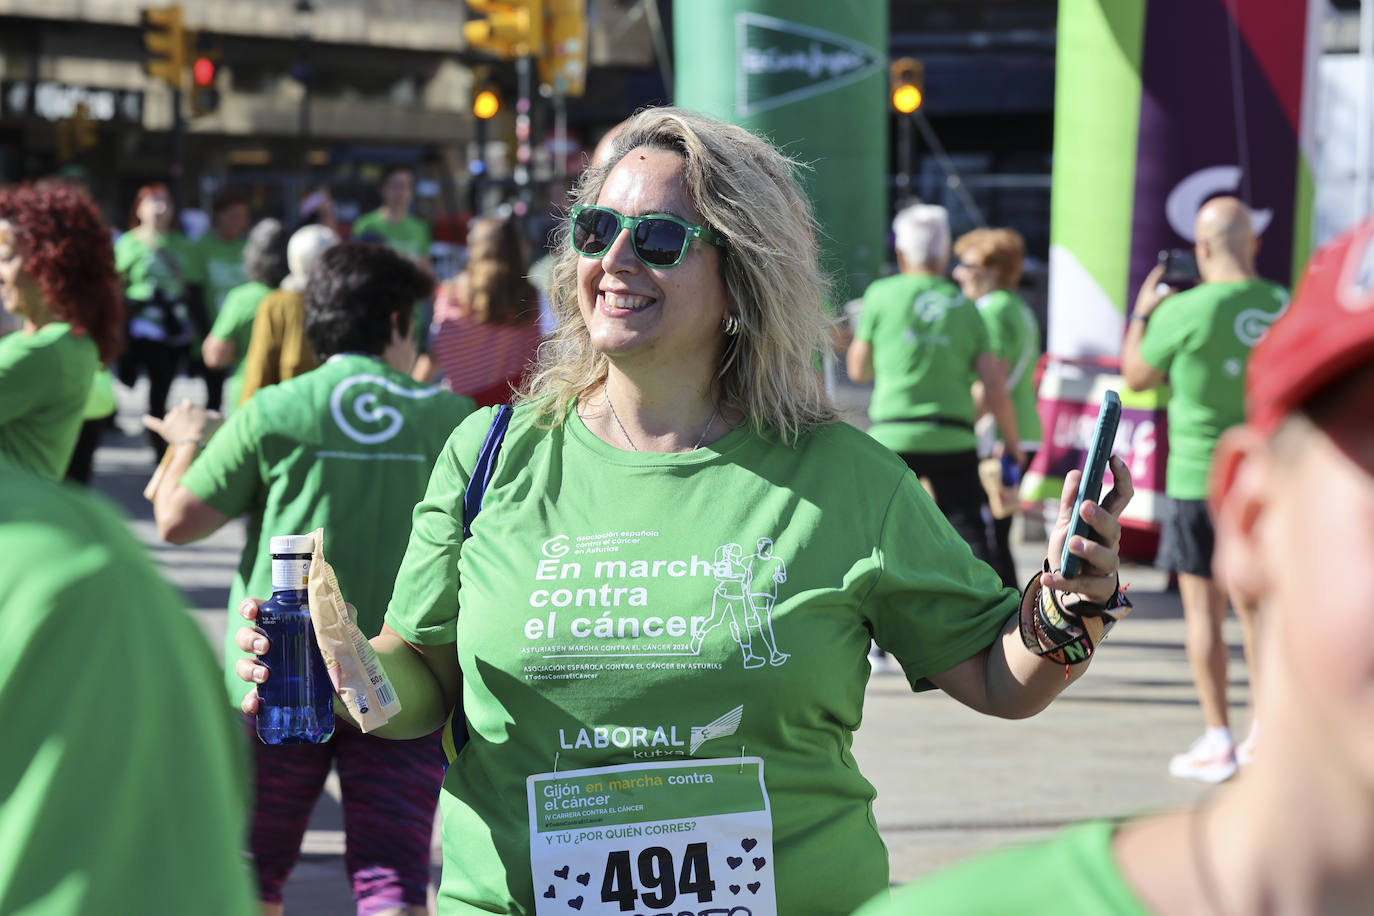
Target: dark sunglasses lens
{"x":659,"y":242}
{"x":593,"y":231}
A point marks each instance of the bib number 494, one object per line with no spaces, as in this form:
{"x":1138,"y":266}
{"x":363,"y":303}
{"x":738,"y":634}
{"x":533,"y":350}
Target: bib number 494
{"x":659,"y":879}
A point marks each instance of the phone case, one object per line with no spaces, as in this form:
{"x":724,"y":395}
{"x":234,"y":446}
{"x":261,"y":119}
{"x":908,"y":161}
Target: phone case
{"x":1090,"y":486}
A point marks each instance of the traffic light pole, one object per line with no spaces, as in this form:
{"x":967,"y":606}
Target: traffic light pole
{"x":904,"y":153}
{"x":176,"y":170}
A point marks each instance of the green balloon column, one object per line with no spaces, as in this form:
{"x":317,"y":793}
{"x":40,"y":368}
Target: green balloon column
{"x":811,"y":76}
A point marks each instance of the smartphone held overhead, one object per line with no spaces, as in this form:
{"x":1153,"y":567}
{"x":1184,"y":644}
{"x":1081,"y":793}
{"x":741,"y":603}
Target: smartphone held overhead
{"x":1180,"y":267}
{"x":1090,"y":486}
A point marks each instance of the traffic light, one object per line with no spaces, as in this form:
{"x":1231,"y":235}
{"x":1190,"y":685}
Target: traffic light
{"x":204,"y":70}
{"x":511,"y":28}
{"x":77,"y":134}
{"x":563,"y":65}
{"x":486,"y":103}
{"x":165,"y":41}
{"x":204,"y":95}
{"x":908,"y":78}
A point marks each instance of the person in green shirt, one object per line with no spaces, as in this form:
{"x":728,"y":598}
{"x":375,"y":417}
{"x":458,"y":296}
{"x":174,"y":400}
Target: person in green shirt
{"x":921,"y":343}
{"x":215,"y":268}
{"x":988,"y":271}
{"x":392,"y":224}
{"x":155,"y":262}
{"x":139,"y":810}
{"x":1199,"y":341}
{"x":658,"y":624}
{"x":264,"y":262}
{"x":57,"y":275}
{"x":1292,"y":495}
{"x":348,"y":448}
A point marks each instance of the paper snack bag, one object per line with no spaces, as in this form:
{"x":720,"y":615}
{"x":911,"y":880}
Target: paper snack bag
{"x":354,"y":668}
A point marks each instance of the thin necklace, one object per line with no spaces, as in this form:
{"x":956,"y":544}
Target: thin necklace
{"x":606,"y":396}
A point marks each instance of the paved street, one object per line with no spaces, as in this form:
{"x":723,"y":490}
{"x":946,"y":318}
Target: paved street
{"x":950,"y":782}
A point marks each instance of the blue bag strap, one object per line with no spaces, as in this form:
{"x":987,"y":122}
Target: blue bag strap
{"x":485,"y":466}
{"x":456,"y":729}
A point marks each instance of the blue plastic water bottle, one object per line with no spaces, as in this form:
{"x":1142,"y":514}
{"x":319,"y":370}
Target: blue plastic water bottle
{"x":1011,"y":471}
{"x":296,"y":704}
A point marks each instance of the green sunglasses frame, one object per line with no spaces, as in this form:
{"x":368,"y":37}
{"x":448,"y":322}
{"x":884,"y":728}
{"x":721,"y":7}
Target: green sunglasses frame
{"x":630,"y":222}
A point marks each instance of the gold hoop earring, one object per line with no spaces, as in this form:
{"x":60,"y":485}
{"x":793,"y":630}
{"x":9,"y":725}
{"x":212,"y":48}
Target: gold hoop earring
{"x":730,"y":325}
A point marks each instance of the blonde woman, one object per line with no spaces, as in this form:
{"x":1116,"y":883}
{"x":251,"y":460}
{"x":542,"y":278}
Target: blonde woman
{"x":615,"y":760}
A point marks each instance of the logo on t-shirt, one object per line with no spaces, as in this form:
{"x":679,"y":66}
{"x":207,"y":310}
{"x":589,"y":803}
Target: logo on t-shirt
{"x":657,"y":740}
{"x":746,"y":590}
{"x":609,"y":601}
{"x":365,"y":419}
{"x":1253,"y":324}
{"x":930,"y":306}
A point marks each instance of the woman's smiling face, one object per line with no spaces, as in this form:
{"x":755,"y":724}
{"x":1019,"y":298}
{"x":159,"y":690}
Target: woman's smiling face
{"x":648,"y":316}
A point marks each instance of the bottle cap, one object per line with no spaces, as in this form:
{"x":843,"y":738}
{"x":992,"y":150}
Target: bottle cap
{"x":292,"y":543}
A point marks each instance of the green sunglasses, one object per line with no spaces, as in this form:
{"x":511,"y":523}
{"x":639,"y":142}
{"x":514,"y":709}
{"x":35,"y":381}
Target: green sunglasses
{"x":659,"y":240}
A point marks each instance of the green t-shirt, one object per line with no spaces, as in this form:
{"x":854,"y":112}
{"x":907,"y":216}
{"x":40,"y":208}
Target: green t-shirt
{"x":45,"y":384}
{"x":123,"y":786}
{"x":347,"y":447}
{"x":925,"y":337}
{"x":235,"y":324}
{"x":168,"y":265}
{"x":626,"y":608}
{"x":218,"y":266}
{"x":1202,"y":338}
{"x":1014,"y":336}
{"x":409,"y":235}
{"x":1071,"y":874}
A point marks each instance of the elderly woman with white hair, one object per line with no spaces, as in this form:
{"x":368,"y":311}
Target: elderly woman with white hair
{"x":920,"y":342}
{"x":652,"y":728}
{"x":277,"y":348}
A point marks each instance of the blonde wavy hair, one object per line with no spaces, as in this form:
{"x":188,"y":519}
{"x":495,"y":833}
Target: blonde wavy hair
{"x":747,"y":191}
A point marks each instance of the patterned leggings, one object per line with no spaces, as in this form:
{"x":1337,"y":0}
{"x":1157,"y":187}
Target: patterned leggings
{"x":390,"y":791}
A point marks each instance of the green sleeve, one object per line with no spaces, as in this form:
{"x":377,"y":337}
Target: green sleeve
{"x":126,"y":252}
{"x":426,"y":237}
{"x":424,"y":603}
{"x":934,"y":605}
{"x":1167,"y":332}
{"x":235,"y":319}
{"x":227,"y":475}
{"x":868,"y":318}
{"x":997,"y":318}
{"x":973,"y":329}
{"x":363,"y":224}
{"x":25,"y":375}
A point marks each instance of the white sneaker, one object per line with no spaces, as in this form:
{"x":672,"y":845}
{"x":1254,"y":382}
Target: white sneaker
{"x":1205,"y":762}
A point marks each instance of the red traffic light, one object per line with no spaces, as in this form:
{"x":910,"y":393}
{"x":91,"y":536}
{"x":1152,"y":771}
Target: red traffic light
{"x":203,"y":71}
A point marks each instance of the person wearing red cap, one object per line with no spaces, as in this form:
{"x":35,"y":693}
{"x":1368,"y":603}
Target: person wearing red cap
{"x":1292,"y":492}
{"x":1199,"y":341}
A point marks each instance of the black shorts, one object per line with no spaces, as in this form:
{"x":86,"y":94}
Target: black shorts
{"x":1187,"y":537}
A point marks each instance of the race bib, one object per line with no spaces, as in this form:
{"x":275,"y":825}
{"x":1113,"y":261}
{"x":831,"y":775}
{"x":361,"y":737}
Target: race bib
{"x":683,"y":838}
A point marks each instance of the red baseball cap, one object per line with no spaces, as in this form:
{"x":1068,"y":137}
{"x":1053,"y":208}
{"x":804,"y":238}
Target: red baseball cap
{"x":1327,"y":331}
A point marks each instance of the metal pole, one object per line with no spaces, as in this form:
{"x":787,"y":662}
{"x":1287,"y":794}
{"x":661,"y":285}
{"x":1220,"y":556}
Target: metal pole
{"x":177,"y":170}
{"x":1364,"y":139}
{"x":904,"y":163}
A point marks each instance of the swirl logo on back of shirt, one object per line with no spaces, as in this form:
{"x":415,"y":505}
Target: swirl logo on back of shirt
{"x":1253,"y":324}
{"x":367,"y":409}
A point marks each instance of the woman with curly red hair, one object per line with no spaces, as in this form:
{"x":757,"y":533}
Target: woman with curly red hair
{"x":57,"y":274}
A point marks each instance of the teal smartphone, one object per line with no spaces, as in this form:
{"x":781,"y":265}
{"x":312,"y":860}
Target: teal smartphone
{"x":1090,"y":486}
